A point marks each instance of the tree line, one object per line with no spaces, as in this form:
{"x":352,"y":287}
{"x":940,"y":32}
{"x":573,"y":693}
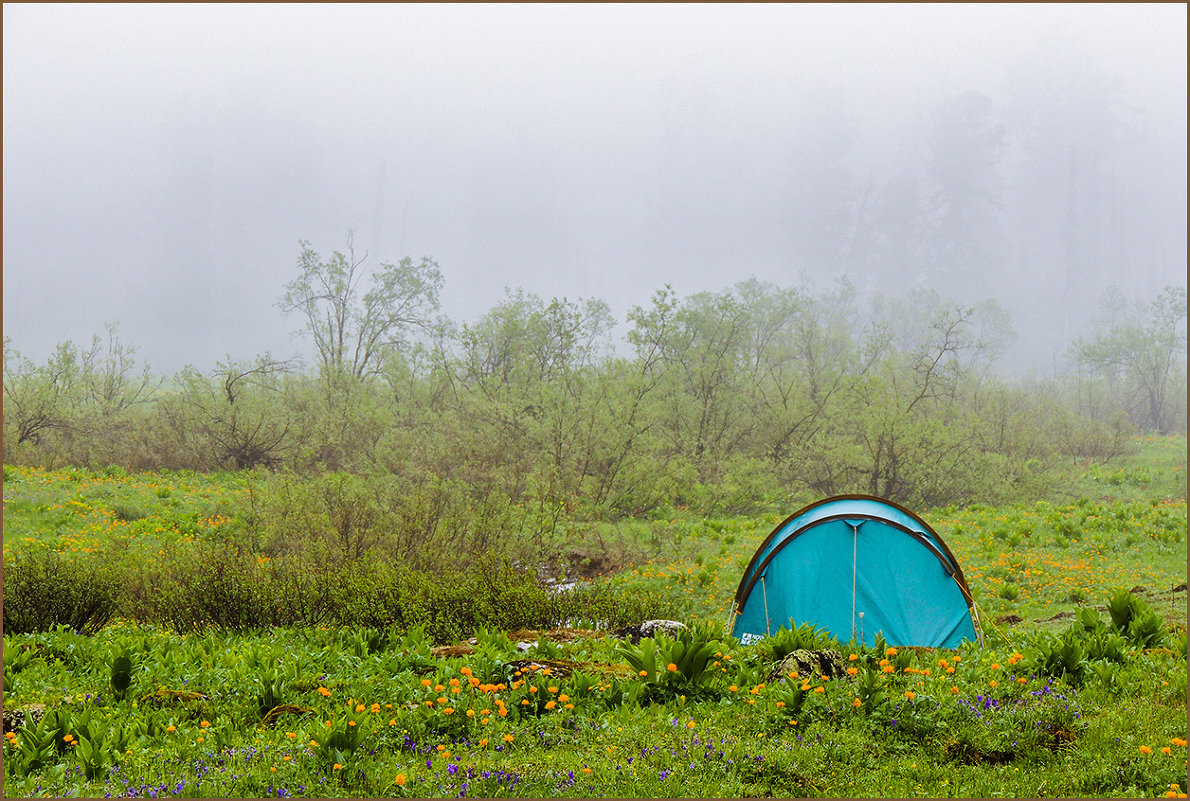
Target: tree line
{"x":720,"y":399}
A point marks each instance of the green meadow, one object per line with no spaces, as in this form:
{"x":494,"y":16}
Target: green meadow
{"x":274,"y":675}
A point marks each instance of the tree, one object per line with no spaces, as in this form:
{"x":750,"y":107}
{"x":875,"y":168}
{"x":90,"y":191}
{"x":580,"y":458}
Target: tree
{"x":1138,"y":352}
{"x":236,"y":416}
{"x":353,"y":329}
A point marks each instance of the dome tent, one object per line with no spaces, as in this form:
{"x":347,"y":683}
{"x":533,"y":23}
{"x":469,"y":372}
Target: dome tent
{"x":856,"y":565}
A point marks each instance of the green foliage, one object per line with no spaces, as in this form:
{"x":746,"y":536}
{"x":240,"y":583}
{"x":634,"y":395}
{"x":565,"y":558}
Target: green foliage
{"x":121,"y":675}
{"x":785,"y":641}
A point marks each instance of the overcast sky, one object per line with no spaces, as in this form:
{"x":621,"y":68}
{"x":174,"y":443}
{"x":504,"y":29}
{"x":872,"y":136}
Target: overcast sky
{"x":161,"y":163}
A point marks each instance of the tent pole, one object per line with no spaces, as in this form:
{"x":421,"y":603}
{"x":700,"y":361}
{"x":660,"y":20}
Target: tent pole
{"x":767,"y":626}
{"x":854,"y":554}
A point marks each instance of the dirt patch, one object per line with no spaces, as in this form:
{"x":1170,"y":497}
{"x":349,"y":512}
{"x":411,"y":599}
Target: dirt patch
{"x":1010,"y":620}
{"x":1059,"y":616}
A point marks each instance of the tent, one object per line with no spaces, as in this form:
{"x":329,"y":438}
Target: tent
{"x":856,"y":565}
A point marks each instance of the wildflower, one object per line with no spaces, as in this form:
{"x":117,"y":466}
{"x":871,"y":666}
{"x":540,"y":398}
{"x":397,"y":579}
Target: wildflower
{"x":532,"y":689}
{"x":954,"y":690}
{"x":360,"y":707}
{"x":586,"y":770}
{"x":426,"y":682}
{"x":856,"y":703}
{"x":1166,"y":750}
{"x":910,"y":696}
{"x":199,"y":740}
{"x":454,"y":682}
{"x":890,"y":652}
{"x":1144,"y":749}
{"x":563,"y":698}
{"x":780,"y":704}
{"x":819,"y":689}
{"x":483,"y":742}
{"x":889,"y":669}
{"x":671,"y":667}
{"x":170,"y":728}
{"x":448,"y":711}
{"x":992,"y":683}
{"x":508,"y":738}
{"x":400,"y":780}
{"x":351,"y":723}
{"x":995,"y":666}
{"x":852,"y":657}
{"x":205,"y":723}
{"x":570,"y":706}
{"x":949,"y":670}
{"x":324,"y":692}
{"x":288,"y":734}
{"x":852,"y":671}
{"x":733,"y":688}
{"x":338,"y":766}
{"x":470,"y":713}
{"x":643,"y":673}
{"x":1022,"y":680}
{"x":690,"y":725}
{"x":1178,"y":741}
{"x":551,"y":704}
{"x":466,"y":671}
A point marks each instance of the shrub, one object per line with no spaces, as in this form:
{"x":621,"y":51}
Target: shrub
{"x":44,"y":589}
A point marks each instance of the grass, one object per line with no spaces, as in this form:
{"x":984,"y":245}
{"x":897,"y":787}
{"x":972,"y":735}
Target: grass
{"x":352,"y":713}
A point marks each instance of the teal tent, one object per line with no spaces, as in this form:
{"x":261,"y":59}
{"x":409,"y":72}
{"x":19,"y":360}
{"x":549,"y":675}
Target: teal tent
{"x":856,"y":565}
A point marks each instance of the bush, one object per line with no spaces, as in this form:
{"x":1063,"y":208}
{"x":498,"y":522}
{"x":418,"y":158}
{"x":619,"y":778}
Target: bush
{"x":44,"y":589}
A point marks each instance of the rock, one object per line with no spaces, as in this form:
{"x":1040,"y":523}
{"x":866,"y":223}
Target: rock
{"x":15,"y":718}
{"x":822,"y":662}
{"x":650,"y":628}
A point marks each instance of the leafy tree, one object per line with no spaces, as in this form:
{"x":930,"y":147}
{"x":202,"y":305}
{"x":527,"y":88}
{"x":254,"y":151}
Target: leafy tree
{"x":353,"y":329}
{"x":39,"y":399}
{"x":1139,"y":353}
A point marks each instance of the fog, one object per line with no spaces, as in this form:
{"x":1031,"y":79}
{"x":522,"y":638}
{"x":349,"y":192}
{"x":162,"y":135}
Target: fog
{"x":161,"y":163}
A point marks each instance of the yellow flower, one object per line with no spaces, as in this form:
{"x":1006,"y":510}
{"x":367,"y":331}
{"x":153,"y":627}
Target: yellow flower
{"x":856,"y":703}
{"x":483,"y":742}
{"x":910,"y":696}
{"x":690,"y":725}
{"x":426,"y":682}
{"x":170,"y":728}
{"x":470,"y":713}
{"x":643,"y":673}
{"x":551,"y":704}
{"x":563,"y":697}
{"x":466,"y":671}
{"x":890,"y":652}
{"x":360,"y":707}
{"x":889,"y":669}
{"x":448,"y":711}
{"x":733,"y":688}
{"x":1178,"y":741}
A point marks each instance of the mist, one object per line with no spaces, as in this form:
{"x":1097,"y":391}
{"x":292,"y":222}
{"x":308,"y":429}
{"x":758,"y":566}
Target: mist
{"x":162,"y":163}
